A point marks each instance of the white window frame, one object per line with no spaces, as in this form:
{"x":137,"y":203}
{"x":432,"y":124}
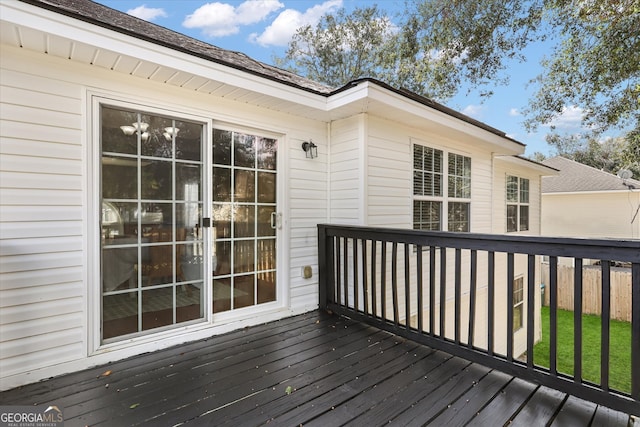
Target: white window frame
{"x":449,"y":183}
{"x":520,"y":203}
{"x":518,"y":302}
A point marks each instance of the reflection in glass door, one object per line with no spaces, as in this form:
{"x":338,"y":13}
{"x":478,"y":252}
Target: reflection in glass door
{"x":151,"y":235}
{"x":244,"y":220}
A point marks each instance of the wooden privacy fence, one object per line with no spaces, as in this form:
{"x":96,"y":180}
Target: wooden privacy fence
{"x":620,"y":295}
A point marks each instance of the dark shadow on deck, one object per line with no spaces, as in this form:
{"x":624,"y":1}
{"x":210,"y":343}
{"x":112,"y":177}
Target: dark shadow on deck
{"x":316,"y":370}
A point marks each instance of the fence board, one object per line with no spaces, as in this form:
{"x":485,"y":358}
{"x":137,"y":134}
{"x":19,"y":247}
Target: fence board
{"x":591,"y":290}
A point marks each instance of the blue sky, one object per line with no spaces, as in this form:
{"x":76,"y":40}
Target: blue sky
{"x":262,"y":29}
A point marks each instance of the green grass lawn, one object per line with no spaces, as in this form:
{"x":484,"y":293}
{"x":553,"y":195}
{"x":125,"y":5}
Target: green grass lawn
{"x":619,"y":349}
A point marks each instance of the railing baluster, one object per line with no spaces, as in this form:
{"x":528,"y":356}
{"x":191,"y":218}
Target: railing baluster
{"x":338,"y":270}
{"x":553,"y":315}
{"x":635,"y":331}
{"x":432,"y":290}
{"x":510,"y":279}
{"x":473,"y":297}
{"x":345,"y":271}
{"x":419,"y":284}
{"x":443,"y":291}
{"x":457,"y":293}
{"x":606,"y":320}
{"x":374,"y":290}
{"x":383,"y":279}
{"x":577,"y":320}
{"x":491,"y":297}
{"x":394,"y":281}
{"x":355,"y":274}
{"x":407,"y":287}
{"x":531,"y":307}
{"x":365,"y":278}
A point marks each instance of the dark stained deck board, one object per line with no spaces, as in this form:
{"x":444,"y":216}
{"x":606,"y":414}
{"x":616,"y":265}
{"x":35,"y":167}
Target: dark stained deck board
{"x":575,"y":412}
{"x":468,"y":405}
{"x":340,"y":372}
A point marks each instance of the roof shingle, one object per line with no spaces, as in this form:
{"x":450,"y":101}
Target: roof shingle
{"x":576,"y":177}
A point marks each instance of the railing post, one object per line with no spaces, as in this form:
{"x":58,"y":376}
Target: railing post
{"x":325,"y":267}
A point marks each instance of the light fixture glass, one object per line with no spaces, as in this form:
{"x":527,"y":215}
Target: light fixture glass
{"x":310,"y":149}
{"x":128,"y":130}
{"x":141,"y":126}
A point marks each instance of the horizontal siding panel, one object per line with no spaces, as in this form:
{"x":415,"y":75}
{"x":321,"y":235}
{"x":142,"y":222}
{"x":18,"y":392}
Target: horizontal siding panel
{"x":350,"y":176}
{"x":36,"y":327}
{"x":42,"y":310}
{"x":40,"y":261}
{"x":19,"y":213}
{"x":306,"y":213}
{"x":37,"y":132}
{"x":389,"y":182}
{"x":20,"y":105}
{"x":37,"y":83}
{"x":303,"y":195}
{"x":40,"y":165}
{"x":25,"y":147}
{"x":41,"y":245}
{"x":38,"y":278}
{"x":41,"y":359}
{"x":35,"y":294}
{"x":29,"y":115}
{"x":40,"y":197}
{"x":306,"y":178}
{"x":22,"y":230}
{"x":40,"y":181}
{"x":44,"y":342}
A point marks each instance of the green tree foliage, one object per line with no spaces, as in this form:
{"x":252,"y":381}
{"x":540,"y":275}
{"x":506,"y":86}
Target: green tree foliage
{"x":595,"y":66}
{"x":438,"y":46}
{"x":340,"y":48}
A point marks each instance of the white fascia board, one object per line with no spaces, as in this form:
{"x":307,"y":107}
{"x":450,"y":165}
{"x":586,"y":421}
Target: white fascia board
{"x":368,"y":92}
{"x":593,"y":192}
{"x":520,"y":162}
{"x":49,"y":22}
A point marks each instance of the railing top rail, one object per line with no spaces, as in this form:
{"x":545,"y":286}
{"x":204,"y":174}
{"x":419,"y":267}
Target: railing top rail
{"x":606,"y":249}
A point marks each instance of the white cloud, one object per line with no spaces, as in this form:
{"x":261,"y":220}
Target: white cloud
{"x":514,"y":112}
{"x":474,"y":111}
{"x":281,"y":30}
{"x":147,"y":13}
{"x":569,"y":118}
{"x":222,"y":19}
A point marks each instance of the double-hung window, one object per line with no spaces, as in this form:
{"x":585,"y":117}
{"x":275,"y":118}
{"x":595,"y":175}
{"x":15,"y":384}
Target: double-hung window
{"x":518,"y":303}
{"x":441,"y":194}
{"x":517,"y":204}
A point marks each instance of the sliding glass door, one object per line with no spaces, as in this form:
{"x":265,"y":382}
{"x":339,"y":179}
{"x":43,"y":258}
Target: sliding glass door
{"x":245,"y":220}
{"x":151,"y":210}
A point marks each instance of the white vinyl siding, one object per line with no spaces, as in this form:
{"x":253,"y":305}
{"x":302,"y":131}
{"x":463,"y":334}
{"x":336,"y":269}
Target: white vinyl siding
{"x":47,"y":270}
{"x":41,"y":222}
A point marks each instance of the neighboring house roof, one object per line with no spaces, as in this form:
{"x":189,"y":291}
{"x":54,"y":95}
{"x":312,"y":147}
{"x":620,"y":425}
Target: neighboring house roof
{"x":114,"y":20}
{"x":576,"y":177}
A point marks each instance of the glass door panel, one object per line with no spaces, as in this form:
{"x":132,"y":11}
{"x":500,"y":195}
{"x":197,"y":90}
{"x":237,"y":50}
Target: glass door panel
{"x":151,"y":235}
{"x":244,"y":220}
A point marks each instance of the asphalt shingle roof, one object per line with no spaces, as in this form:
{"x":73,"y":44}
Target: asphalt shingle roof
{"x":576,"y":177}
{"x":115,"y":20}
{"x":106,"y":17}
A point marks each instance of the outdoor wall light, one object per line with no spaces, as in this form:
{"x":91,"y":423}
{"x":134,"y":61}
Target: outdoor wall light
{"x":310,"y":149}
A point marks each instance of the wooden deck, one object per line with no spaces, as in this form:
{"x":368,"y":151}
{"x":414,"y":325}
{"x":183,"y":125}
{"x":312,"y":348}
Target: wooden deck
{"x":314,"y":370}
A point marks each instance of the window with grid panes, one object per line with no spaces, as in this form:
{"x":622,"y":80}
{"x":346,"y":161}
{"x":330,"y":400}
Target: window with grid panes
{"x":518,"y":303}
{"x":517,"y":204}
{"x":439,"y":190}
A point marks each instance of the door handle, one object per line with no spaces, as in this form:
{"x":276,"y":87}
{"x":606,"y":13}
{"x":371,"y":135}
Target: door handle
{"x":276,"y":220}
